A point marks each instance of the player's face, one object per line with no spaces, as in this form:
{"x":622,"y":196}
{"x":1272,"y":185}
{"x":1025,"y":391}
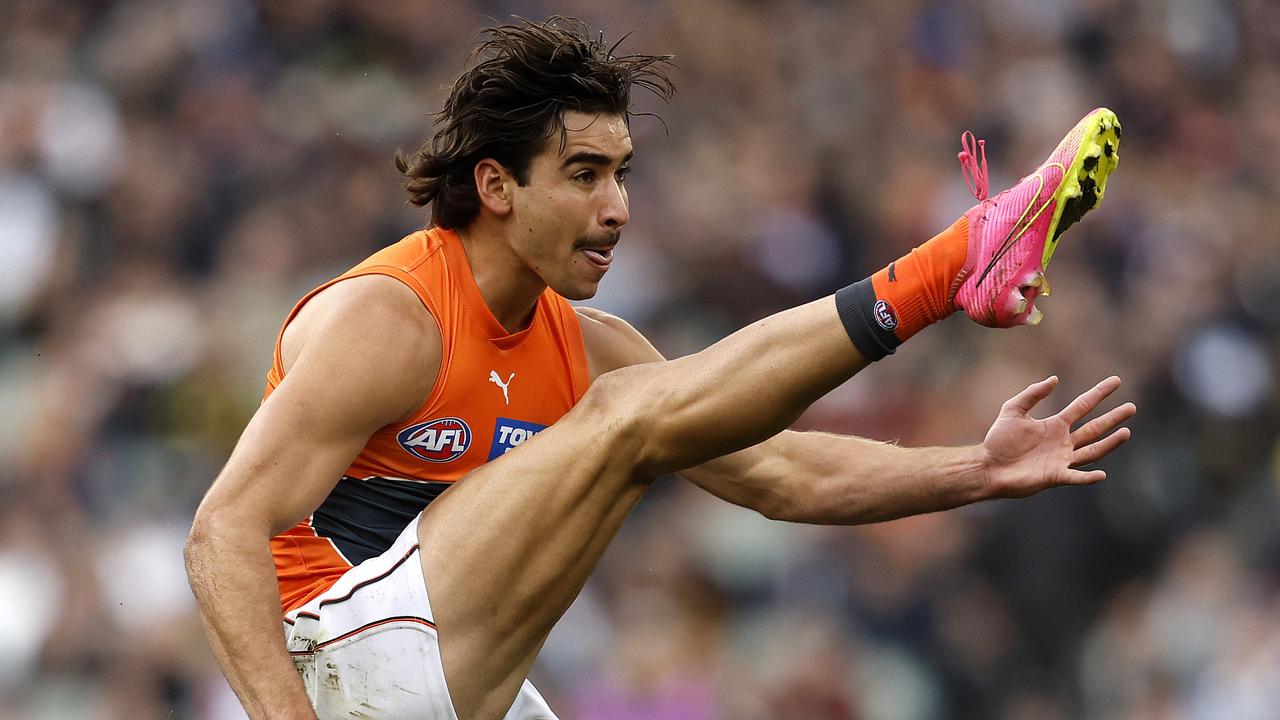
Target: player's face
{"x":570,"y":214}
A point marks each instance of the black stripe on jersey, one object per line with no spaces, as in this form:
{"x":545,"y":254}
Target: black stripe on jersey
{"x":364,"y":517}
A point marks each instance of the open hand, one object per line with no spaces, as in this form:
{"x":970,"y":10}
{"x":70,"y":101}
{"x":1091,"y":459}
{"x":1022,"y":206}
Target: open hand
{"x":1025,"y":455}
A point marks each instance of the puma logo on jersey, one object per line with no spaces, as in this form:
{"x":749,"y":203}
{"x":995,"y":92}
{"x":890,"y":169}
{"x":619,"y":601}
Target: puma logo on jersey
{"x":497,"y":380}
{"x":439,"y":440}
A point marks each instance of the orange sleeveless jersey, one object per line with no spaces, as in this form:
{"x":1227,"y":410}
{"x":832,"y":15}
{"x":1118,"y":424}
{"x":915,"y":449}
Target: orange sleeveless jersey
{"x":494,"y":390}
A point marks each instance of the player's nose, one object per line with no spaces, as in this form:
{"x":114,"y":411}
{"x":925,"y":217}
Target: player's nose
{"x":614,"y":212}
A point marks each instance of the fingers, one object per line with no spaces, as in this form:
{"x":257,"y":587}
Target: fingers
{"x":1027,"y":399}
{"x":1096,"y":428}
{"x":1082,"y":477}
{"x":1089,"y":400}
{"x":1100,"y":449}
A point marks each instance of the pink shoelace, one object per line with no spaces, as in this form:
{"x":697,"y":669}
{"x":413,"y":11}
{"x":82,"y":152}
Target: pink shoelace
{"x":973,"y":164}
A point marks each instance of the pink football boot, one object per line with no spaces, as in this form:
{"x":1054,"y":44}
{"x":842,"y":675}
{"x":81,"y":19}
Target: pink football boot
{"x":1013,"y":235}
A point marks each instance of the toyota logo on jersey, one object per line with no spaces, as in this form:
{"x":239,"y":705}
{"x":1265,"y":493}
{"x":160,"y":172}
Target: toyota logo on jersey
{"x":508,"y":434}
{"x":437,"y":441}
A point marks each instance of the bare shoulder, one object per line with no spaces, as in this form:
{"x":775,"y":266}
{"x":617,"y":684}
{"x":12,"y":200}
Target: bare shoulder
{"x":373,"y":307}
{"x":601,"y":320}
{"x":372,"y":329}
{"x":612,"y":342}
{"x":361,"y":354}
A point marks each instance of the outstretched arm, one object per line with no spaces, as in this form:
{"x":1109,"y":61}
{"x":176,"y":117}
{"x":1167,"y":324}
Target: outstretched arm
{"x":824,"y":478}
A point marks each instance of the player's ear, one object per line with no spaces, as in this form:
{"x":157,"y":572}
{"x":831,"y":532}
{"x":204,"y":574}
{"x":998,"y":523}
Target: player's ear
{"x":494,"y":185}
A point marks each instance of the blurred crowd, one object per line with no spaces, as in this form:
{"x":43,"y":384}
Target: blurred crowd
{"x":174,"y":174}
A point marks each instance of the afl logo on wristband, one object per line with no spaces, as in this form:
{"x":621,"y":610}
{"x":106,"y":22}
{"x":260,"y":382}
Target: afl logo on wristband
{"x":885,"y":315}
{"x":437,"y":441}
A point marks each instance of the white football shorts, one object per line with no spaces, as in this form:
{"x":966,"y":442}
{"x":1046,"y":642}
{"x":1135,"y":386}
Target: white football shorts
{"x":367,"y":646}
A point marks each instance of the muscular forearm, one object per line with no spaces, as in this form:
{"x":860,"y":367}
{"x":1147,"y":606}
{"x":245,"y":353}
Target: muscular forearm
{"x":233,"y":580}
{"x":836,"y":480}
{"x":848,"y":480}
{"x":821,"y":478}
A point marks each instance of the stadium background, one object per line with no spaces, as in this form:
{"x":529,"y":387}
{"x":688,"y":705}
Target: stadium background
{"x":173,"y":175}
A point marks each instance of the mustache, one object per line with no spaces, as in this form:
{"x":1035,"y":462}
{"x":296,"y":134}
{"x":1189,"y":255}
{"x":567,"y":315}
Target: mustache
{"x":594,"y":241}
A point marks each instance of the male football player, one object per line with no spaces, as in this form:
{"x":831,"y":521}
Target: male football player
{"x":452,"y":360}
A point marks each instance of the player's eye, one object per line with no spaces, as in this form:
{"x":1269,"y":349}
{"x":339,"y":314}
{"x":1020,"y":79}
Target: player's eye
{"x":622,"y":173}
{"x":585,"y":176}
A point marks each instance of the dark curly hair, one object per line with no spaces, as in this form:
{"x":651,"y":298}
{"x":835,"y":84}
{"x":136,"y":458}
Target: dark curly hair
{"x":514,"y":100}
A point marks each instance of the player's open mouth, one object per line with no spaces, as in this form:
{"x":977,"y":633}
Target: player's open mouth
{"x":601,"y":258}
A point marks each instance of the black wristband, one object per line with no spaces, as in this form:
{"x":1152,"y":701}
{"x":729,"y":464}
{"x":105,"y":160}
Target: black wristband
{"x":858,"y":308}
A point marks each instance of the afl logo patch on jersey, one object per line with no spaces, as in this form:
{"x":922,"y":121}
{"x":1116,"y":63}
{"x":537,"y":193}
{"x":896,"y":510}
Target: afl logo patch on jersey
{"x":437,"y":441}
{"x":886,"y":317}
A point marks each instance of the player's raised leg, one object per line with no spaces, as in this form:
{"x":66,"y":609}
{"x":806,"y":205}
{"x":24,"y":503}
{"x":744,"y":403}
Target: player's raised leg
{"x":507,"y":551}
